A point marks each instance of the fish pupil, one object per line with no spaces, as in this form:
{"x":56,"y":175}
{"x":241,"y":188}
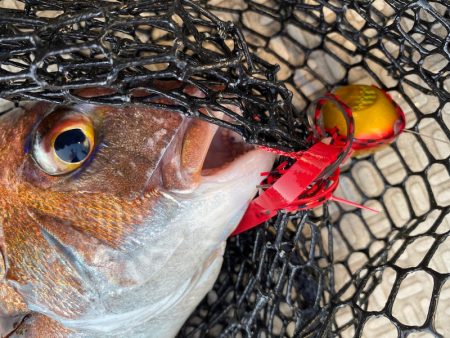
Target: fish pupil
{"x":72,"y":146}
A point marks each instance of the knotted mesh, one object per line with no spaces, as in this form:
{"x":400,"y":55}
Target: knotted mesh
{"x":142,"y":51}
{"x":335,"y":271}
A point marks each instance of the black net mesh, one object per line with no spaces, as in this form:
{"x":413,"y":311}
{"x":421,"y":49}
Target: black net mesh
{"x":335,"y":271}
{"x":137,"y":49}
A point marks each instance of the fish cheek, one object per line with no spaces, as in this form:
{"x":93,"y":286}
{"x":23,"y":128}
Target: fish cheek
{"x":11,"y":303}
{"x":115,"y":171}
{"x":134,"y":143}
{"x":30,"y":172}
{"x":15,"y":133}
{"x":55,"y":240}
{"x":37,"y":269}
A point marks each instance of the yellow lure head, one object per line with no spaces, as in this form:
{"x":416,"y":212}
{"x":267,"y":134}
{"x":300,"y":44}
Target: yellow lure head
{"x":378,"y":120}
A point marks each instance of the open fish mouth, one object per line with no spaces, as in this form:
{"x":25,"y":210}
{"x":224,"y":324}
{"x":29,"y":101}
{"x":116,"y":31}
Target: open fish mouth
{"x":209,"y":151}
{"x":226,"y":146}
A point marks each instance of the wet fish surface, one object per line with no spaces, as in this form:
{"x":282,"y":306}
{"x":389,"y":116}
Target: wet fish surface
{"x":113,"y":221}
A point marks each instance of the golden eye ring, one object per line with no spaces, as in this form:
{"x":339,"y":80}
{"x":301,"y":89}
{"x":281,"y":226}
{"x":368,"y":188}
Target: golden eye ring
{"x":63,"y":141}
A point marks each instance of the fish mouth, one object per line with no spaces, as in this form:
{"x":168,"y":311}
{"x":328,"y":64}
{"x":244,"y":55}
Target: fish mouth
{"x":203,"y":151}
{"x":226,"y":147}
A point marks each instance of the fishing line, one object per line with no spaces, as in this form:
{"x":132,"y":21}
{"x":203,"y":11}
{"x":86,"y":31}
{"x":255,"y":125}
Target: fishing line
{"x":427,"y":136}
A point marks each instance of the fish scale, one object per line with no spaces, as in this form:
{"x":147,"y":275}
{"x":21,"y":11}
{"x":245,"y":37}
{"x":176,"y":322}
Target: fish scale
{"x":97,"y":253}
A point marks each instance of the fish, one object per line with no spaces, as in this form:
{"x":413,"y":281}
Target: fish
{"x":114,"y":220}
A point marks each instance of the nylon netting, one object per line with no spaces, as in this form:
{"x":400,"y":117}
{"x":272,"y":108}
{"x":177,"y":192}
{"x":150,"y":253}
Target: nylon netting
{"x":334,"y":271}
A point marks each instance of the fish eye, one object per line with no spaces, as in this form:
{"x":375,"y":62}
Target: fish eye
{"x":63,"y":141}
{"x":72,"y":146}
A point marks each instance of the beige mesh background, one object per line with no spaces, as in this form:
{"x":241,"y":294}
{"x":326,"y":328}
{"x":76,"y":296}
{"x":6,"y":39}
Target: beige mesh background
{"x":321,"y":45}
{"x":391,"y":270}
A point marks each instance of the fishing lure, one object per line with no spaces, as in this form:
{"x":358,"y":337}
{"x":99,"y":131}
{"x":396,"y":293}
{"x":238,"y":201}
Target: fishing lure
{"x":354,"y":120}
{"x":378,"y":120}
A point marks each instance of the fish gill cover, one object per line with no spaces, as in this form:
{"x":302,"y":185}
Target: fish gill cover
{"x":331,"y":272}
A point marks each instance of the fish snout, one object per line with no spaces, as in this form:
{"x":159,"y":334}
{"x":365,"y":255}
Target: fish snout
{"x":203,"y":150}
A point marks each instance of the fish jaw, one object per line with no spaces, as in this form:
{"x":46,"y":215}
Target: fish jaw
{"x":209,"y":215}
{"x":179,"y":258}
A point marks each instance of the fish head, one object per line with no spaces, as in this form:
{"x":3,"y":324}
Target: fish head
{"x":115,"y":218}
